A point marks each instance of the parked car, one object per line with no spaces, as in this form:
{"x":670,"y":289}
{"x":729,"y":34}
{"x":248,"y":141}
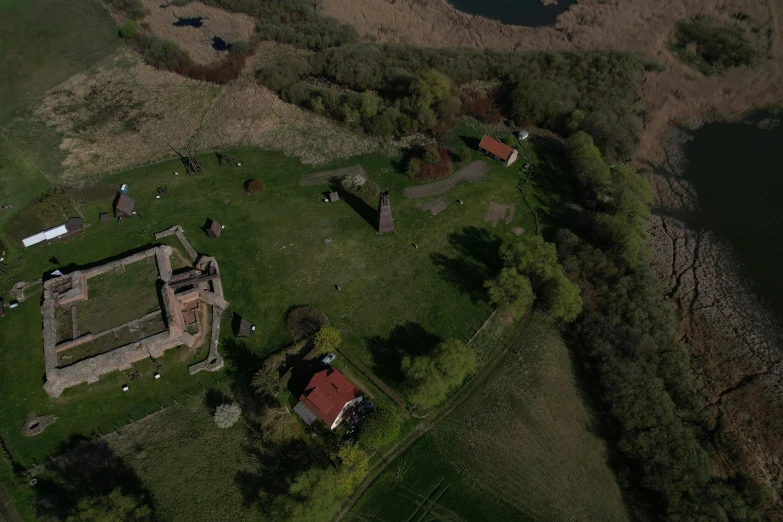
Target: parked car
{"x":328,"y":359}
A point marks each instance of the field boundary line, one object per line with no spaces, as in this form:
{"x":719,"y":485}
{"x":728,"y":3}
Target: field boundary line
{"x":26,"y":157}
{"x":425,"y":426}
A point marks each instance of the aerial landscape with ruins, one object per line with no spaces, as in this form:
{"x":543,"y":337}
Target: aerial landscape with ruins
{"x":391,"y":260}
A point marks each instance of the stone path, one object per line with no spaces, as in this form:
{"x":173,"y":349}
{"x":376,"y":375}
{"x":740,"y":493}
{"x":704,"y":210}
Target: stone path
{"x":472,"y":173}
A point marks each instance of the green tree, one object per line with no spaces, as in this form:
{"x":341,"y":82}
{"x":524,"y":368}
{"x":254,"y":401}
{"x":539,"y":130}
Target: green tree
{"x":531,"y":256}
{"x":266,"y":381}
{"x":536,"y":100}
{"x":588,"y":165}
{"x":511,"y":289}
{"x":128,"y":29}
{"x":428,"y":378}
{"x":574,"y":121}
{"x":312,"y":495}
{"x":353,"y":467}
{"x":431,"y":88}
{"x":431,"y":154}
{"x":561,"y":297}
{"x":379,"y":427}
{"x":369,"y":106}
{"x":115,"y":507}
{"x":414,"y":165}
{"x":327,"y":339}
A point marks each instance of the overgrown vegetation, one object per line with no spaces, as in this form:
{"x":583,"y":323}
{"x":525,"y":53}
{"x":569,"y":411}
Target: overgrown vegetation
{"x":429,"y":378}
{"x":414,"y":89}
{"x":711,"y":48}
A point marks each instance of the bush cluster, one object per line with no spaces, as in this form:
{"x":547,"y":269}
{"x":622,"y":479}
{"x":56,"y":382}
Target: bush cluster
{"x":430,"y":163}
{"x":716,"y":47}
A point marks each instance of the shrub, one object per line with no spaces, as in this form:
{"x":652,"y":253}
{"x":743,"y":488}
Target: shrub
{"x":716,"y":47}
{"x":463,"y":152}
{"x":429,"y":378}
{"x":226,"y":415}
{"x":304,"y":321}
{"x":380,"y":427}
{"x":414,"y":165}
{"x":255,"y":186}
{"x":431,"y":154}
{"x":327,"y":339}
{"x":240,"y":47}
{"x":128,"y":29}
{"x":434,"y":171}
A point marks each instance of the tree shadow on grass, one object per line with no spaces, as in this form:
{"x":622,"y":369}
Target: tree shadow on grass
{"x":477,"y":260}
{"x":408,"y":339}
{"x":89,"y":469}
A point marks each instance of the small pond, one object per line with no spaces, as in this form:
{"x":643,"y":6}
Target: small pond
{"x":220,"y":44}
{"x":196,"y":21}
{"x":530,"y":13}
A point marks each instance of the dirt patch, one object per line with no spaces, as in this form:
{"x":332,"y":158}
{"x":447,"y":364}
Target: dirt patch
{"x":326,"y":176}
{"x":498,"y":211}
{"x":195,"y":27}
{"x":436,"y":206}
{"x":126,"y":113}
{"x":472,"y":173}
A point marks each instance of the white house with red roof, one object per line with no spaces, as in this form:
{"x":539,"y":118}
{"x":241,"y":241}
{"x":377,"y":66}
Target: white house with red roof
{"x":328,"y":396}
{"x":500,"y":151}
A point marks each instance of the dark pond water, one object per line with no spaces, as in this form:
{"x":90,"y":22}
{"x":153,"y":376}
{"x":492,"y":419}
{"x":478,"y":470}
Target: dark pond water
{"x":189,"y":22}
{"x":220,"y":44}
{"x":531,"y":13}
{"x":738,"y":173}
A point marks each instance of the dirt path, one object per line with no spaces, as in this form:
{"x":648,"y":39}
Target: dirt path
{"x":428,"y":424}
{"x":472,"y":173}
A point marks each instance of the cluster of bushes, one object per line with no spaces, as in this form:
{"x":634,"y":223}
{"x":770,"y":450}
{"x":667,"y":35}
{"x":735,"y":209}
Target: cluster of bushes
{"x":531,"y":272}
{"x":294,"y":22}
{"x":166,"y":55}
{"x":361,"y":187}
{"x":429,"y":378}
{"x":715,"y":48}
{"x":427,"y":102}
{"x":429,"y":163}
{"x":543,"y":88}
{"x":482,"y":105}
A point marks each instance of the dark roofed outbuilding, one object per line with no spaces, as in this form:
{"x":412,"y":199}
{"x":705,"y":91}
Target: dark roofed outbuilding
{"x":123,"y":206}
{"x":214,"y":229}
{"x":245,"y":328}
{"x":74,"y":224}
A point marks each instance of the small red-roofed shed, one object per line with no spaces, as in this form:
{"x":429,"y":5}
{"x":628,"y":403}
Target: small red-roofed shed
{"x":500,"y":151}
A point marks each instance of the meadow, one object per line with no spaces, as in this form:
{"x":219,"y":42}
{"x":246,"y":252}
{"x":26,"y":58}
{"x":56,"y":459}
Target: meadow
{"x":398,"y":293}
{"x":523,"y":447}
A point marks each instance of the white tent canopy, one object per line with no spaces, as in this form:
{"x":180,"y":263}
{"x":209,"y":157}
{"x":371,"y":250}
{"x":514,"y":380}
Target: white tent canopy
{"x":46,"y":234}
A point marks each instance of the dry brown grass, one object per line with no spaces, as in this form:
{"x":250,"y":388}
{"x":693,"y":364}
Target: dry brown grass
{"x":126,"y":113}
{"x":197,"y":41}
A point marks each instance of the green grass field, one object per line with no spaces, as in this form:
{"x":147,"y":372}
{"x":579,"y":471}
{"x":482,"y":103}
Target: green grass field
{"x":521,"y":448}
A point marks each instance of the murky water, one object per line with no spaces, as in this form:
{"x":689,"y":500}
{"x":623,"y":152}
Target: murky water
{"x":531,"y":13}
{"x":737,"y":170}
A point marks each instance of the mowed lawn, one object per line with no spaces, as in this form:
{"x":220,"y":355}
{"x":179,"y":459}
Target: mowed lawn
{"x":393,"y":298}
{"x":520,"y":448}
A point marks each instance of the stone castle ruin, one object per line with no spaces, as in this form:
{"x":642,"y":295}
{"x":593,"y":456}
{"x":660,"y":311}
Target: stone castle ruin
{"x":185,"y":299}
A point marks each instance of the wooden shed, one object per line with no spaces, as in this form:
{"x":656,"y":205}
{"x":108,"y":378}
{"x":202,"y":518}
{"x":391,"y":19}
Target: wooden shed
{"x":123,"y":206}
{"x":214,"y":229}
{"x":245,"y":328}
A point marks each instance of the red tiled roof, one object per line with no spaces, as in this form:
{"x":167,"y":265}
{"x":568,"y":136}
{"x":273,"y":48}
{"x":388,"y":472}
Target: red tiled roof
{"x":327,"y":393}
{"x":501,"y":150}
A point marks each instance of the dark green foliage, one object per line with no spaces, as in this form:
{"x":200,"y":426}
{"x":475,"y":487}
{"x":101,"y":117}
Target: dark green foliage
{"x":531,"y":270}
{"x":114,"y":507}
{"x":240,"y":47}
{"x":293,"y":22}
{"x":283,"y":72}
{"x":429,"y":164}
{"x":132,"y":8}
{"x":716,"y":47}
{"x":380,"y":427}
{"x":429,"y":378}
{"x":304,"y":321}
{"x":589,"y":167}
{"x":128,"y":29}
{"x":536,"y":100}
{"x":431,"y":154}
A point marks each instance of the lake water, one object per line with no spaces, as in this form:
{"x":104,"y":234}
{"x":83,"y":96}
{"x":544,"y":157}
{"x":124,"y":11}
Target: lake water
{"x":737,"y":170}
{"x":531,"y":13}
